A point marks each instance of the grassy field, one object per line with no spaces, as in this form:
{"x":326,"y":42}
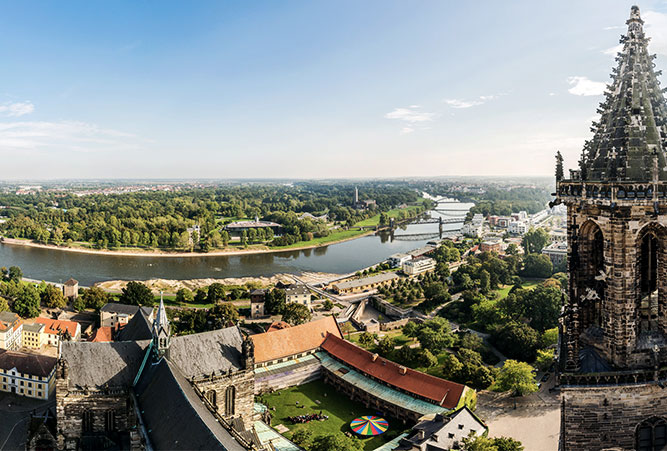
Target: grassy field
{"x":505,"y":290}
{"x":338,"y":407}
{"x":375,"y":220}
{"x":396,"y":334}
{"x":334,"y":236}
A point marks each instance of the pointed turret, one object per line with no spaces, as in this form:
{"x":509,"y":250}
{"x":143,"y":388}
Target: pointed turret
{"x":161,"y":329}
{"x":633,"y":122}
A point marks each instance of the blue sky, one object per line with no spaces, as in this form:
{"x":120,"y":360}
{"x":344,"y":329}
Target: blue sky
{"x":304,"y":89}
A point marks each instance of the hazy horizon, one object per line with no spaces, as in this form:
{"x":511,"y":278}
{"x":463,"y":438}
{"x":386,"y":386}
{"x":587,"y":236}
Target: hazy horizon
{"x":304,"y":91}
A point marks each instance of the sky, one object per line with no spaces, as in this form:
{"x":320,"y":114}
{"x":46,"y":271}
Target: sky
{"x":304,"y":89}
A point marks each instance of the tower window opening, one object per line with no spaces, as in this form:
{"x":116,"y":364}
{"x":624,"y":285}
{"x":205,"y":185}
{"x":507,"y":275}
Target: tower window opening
{"x":648,"y":283}
{"x":652,"y":435}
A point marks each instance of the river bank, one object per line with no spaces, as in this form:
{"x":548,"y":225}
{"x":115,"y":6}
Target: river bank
{"x":157,"y":253}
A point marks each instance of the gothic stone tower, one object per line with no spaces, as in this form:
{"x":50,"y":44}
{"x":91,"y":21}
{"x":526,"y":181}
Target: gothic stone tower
{"x":613,"y":343}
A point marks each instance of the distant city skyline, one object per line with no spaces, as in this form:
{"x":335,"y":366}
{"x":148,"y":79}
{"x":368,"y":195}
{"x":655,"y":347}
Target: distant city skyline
{"x":303,"y":90}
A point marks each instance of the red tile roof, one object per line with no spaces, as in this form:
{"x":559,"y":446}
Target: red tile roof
{"x":102,"y":334}
{"x":293,"y":340}
{"x":277,"y":325}
{"x":442,"y":392}
{"x":55,"y":326}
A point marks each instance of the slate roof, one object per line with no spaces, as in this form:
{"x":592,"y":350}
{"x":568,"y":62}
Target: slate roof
{"x":138,"y":328}
{"x":293,"y":340}
{"x":201,"y":354}
{"x":36,"y":365}
{"x":96,"y":364}
{"x":9,"y":320}
{"x":180,"y":420}
{"x":117,"y":307}
{"x":633,"y":117}
{"x":443,"y":392}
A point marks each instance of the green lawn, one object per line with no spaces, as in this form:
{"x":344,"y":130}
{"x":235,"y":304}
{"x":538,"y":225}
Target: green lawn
{"x":505,"y":290}
{"x":334,"y":236}
{"x":340,"y":409}
{"x":375,"y":220}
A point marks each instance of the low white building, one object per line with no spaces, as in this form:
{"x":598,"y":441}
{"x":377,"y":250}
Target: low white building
{"x":418,"y":266}
{"x":517,"y":228}
{"x":557,"y":252}
{"x":397,"y":260}
{"x":11,"y":331}
{"x":298,"y":294}
{"x":443,"y":432}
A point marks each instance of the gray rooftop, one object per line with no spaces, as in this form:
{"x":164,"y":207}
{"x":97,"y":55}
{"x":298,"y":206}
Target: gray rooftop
{"x":36,"y":327}
{"x":138,"y":328}
{"x":127,"y":309}
{"x":175,"y":417}
{"x":207,"y":352}
{"x":96,"y":364}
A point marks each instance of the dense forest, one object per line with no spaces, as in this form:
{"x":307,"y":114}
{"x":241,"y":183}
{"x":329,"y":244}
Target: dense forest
{"x":160,"y":219}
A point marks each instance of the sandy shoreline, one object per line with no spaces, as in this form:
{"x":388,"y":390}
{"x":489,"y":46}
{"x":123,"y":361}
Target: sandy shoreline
{"x":138,"y":253}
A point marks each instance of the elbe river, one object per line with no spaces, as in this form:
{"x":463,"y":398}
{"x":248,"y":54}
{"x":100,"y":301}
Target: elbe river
{"x":58,"y":266}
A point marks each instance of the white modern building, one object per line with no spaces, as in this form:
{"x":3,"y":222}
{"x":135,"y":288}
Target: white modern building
{"x":517,"y":228}
{"x":557,"y":252}
{"x":418,"y":266}
{"x":397,"y":260}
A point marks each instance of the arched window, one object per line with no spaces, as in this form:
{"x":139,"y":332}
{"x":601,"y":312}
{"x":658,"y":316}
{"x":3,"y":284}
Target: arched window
{"x":591,"y":257}
{"x":211,"y":396}
{"x":87,"y":422}
{"x":110,"y":421}
{"x":649,"y":261}
{"x":652,"y":435}
{"x":230,"y":400}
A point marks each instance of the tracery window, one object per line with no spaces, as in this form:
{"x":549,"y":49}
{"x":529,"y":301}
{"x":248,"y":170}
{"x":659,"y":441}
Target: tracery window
{"x":230,"y":400}
{"x":652,"y":435}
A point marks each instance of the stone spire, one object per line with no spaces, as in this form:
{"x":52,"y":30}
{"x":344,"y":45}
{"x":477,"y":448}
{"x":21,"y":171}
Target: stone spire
{"x":161,"y":329}
{"x":633,"y":122}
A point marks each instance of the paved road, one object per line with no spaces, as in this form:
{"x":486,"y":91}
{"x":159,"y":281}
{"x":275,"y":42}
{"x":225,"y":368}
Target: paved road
{"x":15,"y":415}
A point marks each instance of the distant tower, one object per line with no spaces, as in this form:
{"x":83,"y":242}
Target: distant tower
{"x":356,"y":195}
{"x":613,"y":340}
{"x":161,"y":330}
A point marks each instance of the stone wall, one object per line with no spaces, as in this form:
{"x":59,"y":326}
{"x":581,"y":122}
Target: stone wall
{"x":244,"y":384}
{"x":606,"y":418}
{"x":289,"y":378}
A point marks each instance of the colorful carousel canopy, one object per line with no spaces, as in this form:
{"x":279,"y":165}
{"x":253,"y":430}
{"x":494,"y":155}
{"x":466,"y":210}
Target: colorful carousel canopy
{"x":369,"y":425}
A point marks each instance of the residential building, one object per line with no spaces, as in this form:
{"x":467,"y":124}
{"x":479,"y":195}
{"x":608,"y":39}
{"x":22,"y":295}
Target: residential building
{"x":298,"y":294}
{"x":28,"y":375}
{"x":475,"y":227}
{"x":517,"y":228}
{"x":33,"y":335}
{"x":71,"y":289}
{"x":363,"y":284}
{"x":11,"y":331}
{"x":54,"y":329}
{"x":443,"y":432}
{"x":117,"y":315}
{"x":418,"y":266}
{"x":557,"y":252}
{"x":491,"y":246}
{"x":397,"y":260}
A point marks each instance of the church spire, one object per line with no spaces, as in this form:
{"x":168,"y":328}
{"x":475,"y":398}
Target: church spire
{"x":633,"y":117}
{"x":161,"y":329}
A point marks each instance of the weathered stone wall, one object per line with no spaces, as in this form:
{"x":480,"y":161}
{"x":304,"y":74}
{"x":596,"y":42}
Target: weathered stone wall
{"x":244,"y":383}
{"x":606,"y":418}
{"x":288,"y":378}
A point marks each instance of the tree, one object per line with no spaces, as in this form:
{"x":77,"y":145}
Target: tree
{"x":366,"y":339}
{"x":295,"y":314}
{"x":544,"y":359}
{"x":427,"y":358}
{"x":302,"y":438}
{"x":184,"y":295}
{"x":336,"y":442}
{"x":222,"y":314}
{"x":410,"y":329}
{"x":53,"y":297}
{"x":543,"y":307}
{"x":516,"y":377}
{"x":549,"y":337}
{"x":478,"y":443}
{"x":14,"y":274}
{"x":386,"y":345}
{"x":200,"y":295}
{"x":4,"y":306}
{"x":216,"y":292}
{"x":95,"y":298}
{"x":512,"y":249}
{"x":472,"y":341}
{"x":507,"y":444}
{"x":484,"y":281}
{"x":517,"y":340}
{"x":451,"y":366}
{"x":537,"y":265}
{"x":328,"y":305}
{"x":534,"y":240}
{"x":27,"y":302}
{"x":274,"y":302}
{"x":136,"y":293}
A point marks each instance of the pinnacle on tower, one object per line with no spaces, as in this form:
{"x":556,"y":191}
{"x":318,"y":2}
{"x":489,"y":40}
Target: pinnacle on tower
{"x":633,"y":116}
{"x":161,"y":328}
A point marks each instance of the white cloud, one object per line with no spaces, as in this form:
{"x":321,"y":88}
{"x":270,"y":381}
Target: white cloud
{"x":616,"y":27}
{"x":463,"y":103}
{"x":583,"y":86}
{"x":656,"y":29}
{"x":612,"y":51}
{"x":410,"y":114}
{"x":16,"y":109}
{"x":70,"y":135}
{"x":407,"y":129}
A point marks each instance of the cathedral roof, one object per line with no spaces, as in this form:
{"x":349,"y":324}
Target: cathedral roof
{"x":632,"y":131}
{"x":138,"y":328}
{"x":98,"y":364}
{"x":201,"y":354}
{"x":174,"y":416}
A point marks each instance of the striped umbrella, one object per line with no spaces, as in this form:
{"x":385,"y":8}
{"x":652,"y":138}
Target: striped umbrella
{"x":369,"y":425}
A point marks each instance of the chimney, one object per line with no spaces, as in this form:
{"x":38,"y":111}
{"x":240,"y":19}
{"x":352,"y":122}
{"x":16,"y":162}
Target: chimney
{"x":374,"y":357}
{"x":402,"y":370}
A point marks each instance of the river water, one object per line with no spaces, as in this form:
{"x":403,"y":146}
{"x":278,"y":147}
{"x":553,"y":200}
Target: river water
{"x":56,"y":266}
